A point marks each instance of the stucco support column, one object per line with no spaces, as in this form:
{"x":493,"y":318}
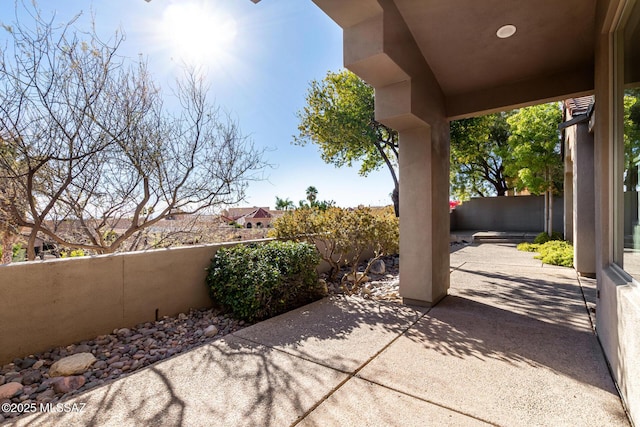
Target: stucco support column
{"x":424,"y":214}
{"x":379,"y":48}
{"x":568,"y":191}
{"x":584,"y":203}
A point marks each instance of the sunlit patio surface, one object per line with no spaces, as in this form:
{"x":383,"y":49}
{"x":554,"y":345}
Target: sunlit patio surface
{"x":512,"y":345}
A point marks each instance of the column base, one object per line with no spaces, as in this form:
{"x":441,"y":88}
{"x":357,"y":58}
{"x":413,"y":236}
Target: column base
{"x":420,"y":303}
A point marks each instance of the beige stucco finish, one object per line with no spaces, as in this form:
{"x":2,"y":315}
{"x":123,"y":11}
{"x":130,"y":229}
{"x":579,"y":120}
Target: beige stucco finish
{"x":52,"y":303}
{"x":424,"y":227}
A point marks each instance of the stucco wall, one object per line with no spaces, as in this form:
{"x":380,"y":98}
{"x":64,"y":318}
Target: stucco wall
{"x":618,"y":328}
{"x":520,"y":213}
{"x":45,"y":304}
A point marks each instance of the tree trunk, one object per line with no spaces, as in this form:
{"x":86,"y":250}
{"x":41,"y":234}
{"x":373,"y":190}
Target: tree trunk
{"x":550,"y":214}
{"x":7,"y":248}
{"x":546,"y":212}
{"x":395,"y":196}
{"x":31,"y":243}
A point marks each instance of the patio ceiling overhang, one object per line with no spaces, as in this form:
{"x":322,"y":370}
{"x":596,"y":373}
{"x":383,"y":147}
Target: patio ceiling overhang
{"x":454,"y":42}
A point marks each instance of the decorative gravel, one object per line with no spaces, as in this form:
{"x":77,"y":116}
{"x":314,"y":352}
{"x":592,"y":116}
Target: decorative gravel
{"x":117,"y":354}
{"x":381,"y":287}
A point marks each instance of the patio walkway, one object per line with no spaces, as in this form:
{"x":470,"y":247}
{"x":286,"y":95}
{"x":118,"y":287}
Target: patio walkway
{"x":512,"y":345}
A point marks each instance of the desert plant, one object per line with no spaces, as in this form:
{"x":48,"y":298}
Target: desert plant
{"x":343,"y":236}
{"x":256,"y":282}
{"x":317,"y":227}
{"x":365,"y":230}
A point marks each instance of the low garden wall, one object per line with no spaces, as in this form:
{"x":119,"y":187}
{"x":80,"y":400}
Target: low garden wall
{"x":46,"y":304}
{"x":509,"y":213}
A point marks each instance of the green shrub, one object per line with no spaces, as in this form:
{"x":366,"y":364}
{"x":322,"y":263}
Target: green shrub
{"x":554,"y":252}
{"x":544,"y":237}
{"x":260,"y":281}
{"x":528,"y":247}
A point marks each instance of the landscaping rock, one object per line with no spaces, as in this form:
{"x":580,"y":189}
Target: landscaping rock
{"x":129,"y":349}
{"x":31,"y":377}
{"x":113,"y":359}
{"x":71,"y":365}
{"x":63,"y":385}
{"x":359,"y":276}
{"x":117,"y":365}
{"x":11,"y":376}
{"x":82,"y":348}
{"x":27,"y":362}
{"x":47,"y":394}
{"x":123,"y":332}
{"x":210,"y":331}
{"x":378,"y":267}
{"x":15,"y":379}
{"x":100,"y":364}
{"x":8,"y":390}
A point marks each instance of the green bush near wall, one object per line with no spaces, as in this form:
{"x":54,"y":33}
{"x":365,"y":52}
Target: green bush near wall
{"x":259,"y":281}
{"x":554,"y":252}
{"x":544,"y":237}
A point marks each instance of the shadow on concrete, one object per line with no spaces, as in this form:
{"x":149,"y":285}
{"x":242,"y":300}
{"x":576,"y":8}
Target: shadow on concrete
{"x":339,"y":332}
{"x":269,"y":374}
{"x":228,"y":383}
{"x":550,"y":296}
{"x":463,"y":328}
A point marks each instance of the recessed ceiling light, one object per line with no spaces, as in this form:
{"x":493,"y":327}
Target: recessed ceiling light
{"x":506,"y":31}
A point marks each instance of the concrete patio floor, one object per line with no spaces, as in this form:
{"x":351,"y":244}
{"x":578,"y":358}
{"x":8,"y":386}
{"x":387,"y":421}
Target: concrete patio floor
{"x":512,"y":345}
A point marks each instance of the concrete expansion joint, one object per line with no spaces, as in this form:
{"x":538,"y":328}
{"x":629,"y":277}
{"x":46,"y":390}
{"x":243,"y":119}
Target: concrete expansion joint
{"x":452,"y":269}
{"x":354,"y":374}
{"x":431,"y":402}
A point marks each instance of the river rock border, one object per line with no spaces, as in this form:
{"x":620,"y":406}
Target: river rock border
{"x":30,"y":380}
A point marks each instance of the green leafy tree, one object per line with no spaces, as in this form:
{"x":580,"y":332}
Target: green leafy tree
{"x":631,"y":138}
{"x":536,"y":160}
{"x":339,"y":117}
{"x":479,"y":151}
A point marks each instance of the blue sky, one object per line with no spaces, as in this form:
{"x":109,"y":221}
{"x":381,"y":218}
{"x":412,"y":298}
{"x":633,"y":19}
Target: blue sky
{"x":260,"y":59}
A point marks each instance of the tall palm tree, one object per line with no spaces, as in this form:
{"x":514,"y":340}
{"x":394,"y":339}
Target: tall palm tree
{"x":284,"y":204}
{"x":312,"y":194}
